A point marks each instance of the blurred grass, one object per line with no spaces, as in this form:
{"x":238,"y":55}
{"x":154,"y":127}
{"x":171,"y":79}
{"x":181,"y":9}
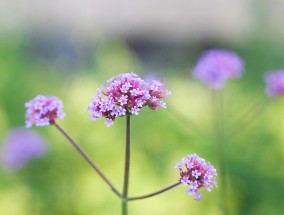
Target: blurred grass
{"x":62,"y":183}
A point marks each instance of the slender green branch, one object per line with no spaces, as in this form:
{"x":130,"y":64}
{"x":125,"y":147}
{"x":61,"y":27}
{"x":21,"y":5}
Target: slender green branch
{"x":154,"y":193}
{"x":85,"y":156}
{"x":127,"y":166}
{"x":188,"y":123}
{"x":247,"y":117}
{"x":218,"y":126}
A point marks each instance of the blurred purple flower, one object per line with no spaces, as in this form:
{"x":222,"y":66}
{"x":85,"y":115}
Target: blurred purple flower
{"x":196,"y":173}
{"x":126,"y":94}
{"x":274,"y":81}
{"x":20,"y":146}
{"x":216,"y":66}
{"x":152,"y":76}
{"x":43,"y":110}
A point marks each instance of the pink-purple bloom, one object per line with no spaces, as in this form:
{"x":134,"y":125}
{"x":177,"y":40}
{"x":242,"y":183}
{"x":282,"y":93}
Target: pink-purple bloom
{"x":126,"y":94}
{"x":196,"y":173}
{"x":20,"y":146}
{"x":216,"y":66}
{"x":274,"y":81}
{"x":43,"y":110}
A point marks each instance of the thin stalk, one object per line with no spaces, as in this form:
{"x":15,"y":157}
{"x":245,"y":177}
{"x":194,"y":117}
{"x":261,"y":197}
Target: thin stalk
{"x":247,"y":117}
{"x":188,"y":123}
{"x":154,"y":193}
{"x":218,"y":126}
{"x":127,"y":167}
{"x":85,"y":156}
{"x":124,"y":207}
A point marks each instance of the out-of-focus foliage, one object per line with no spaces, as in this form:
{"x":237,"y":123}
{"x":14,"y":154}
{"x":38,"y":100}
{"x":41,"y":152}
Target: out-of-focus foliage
{"x":62,"y":182}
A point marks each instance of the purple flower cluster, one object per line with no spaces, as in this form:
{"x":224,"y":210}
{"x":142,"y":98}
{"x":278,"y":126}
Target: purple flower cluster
{"x":21,"y":146}
{"x":43,"y":110}
{"x":195,"y":172}
{"x":216,"y":66}
{"x":126,"y":94}
{"x":274,"y":83}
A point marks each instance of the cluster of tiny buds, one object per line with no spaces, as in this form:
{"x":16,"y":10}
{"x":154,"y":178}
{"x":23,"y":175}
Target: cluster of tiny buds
{"x":195,"y":172}
{"x":126,"y":94}
{"x":43,"y":110}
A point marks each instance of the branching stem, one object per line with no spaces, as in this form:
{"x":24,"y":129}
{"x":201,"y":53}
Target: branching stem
{"x":154,"y":193}
{"x":86,"y":157}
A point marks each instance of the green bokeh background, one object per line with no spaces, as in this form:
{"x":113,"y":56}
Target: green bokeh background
{"x":62,"y":183}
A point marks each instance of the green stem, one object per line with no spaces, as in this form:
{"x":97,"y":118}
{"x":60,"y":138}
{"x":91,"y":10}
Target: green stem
{"x":127,"y":167}
{"x":188,"y":123}
{"x":247,"y":117}
{"x":124,"y":207}
{"x":85,"y":156}
{"x":154,"y":193}
{"x":218,"y":123}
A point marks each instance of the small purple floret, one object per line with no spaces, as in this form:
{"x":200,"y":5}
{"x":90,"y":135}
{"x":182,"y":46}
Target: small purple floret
{"x":184,"y":180}
{"x":195,"y":172}
{"x":43,"y":110}
{"x":274,"y":81}
{"x":216,"y":66}
{"x":126,"y":94}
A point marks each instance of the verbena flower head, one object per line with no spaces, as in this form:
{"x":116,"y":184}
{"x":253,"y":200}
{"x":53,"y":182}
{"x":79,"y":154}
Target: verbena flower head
{"x":274,"y":81}
{"x":196,"y":173}
{"x":20,"y":146}
{"x":43,"y":110}
{"x":216,"y":66}
{"x":126,"y":94}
